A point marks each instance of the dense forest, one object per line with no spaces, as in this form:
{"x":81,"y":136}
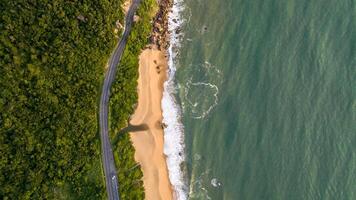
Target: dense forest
{"x":52,"y":62}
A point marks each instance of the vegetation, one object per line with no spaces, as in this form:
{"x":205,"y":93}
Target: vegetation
{"x":123,"y":99}
{"x":124,"y":90}
{"x":52,"y":58}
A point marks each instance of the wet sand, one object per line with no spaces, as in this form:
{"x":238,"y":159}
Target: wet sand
{"x":149,"y":143}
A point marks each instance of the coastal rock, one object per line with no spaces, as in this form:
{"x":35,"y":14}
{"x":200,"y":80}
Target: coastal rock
{"x":163,"y":125}
{"x":160,"y":33}
{"x":178,"y":30}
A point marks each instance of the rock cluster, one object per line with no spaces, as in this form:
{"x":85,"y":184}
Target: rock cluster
{"x":160,"y":33}
{"x":82,"y":18}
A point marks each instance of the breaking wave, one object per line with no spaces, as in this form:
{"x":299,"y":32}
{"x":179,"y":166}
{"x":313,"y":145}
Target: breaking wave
{"x":174,"y":132}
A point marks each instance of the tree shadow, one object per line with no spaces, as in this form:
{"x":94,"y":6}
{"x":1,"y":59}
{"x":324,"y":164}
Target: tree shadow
{"x":129,"y":128}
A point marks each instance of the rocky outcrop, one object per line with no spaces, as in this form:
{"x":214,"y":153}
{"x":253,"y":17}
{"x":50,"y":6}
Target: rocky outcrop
{"x":160,"y":33}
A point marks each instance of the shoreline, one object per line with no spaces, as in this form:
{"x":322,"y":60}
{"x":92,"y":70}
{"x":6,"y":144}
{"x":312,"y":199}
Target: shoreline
{"x":174,"y":132}
{"x":149,"y":143}
{"x":153,"y":74}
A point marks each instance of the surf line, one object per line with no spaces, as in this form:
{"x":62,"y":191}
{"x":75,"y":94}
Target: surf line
{"x":174,"y":131}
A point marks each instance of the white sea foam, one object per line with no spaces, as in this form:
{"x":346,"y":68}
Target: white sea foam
{"x":200,"y":114}
{"x":200,"y":92}
{"x":174,"y":132}
{"x":215,"y":182}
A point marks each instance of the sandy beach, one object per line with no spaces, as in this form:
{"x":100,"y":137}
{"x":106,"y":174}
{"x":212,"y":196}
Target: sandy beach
{"x":149,"y":143}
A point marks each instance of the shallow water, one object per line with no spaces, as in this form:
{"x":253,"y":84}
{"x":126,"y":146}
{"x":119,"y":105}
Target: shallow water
{"x":267,"y":91}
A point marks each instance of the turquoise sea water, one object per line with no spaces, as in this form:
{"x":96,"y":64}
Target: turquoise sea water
{"x":267,"y":90}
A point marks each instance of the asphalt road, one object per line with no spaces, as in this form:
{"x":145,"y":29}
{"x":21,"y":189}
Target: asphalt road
{"x":106,"y":150}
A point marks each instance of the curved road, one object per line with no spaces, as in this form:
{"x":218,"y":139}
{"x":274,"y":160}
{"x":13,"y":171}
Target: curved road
{"x":106,"y":150}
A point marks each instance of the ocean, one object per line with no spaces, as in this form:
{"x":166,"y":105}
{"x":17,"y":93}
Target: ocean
{"x":260,"y":101}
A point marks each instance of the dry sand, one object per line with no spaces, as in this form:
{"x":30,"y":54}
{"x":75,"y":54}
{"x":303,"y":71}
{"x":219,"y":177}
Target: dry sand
{"x":149,"y":144}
